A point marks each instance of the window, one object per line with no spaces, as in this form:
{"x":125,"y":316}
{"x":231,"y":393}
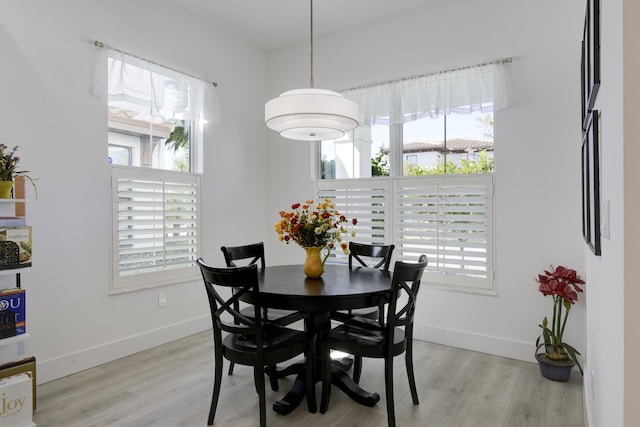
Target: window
{"x":151,"y":112}
{"x":444,"y":119}
{"x":364,"y":199}
{"x":449,"y":219}
{"x":452,"y":144}
{"x":155,"y":128}
{"x":446,"y":217}
{"x":432,"y":138}
{"x":155,"y":227}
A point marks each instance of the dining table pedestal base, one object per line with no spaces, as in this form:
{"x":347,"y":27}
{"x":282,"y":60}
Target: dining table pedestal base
{"x":339,"y":378}
{"x":345,"y":383}
{"x":319,"y":324}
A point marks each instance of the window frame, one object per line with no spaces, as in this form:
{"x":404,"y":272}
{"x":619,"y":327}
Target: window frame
{"x":172,"y":260}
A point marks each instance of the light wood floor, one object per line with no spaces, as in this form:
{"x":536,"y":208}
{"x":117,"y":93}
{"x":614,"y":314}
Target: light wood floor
{"x":171,"y":386}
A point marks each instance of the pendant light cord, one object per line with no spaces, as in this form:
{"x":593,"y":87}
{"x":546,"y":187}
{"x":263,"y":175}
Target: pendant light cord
{"x":311,"y":50}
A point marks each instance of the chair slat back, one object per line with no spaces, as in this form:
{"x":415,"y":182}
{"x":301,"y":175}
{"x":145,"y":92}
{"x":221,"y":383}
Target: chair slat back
{"x":405,"y":281}
{"x":378,"y":254}
{"x":253,"y":252}
{"x":242,"y":281}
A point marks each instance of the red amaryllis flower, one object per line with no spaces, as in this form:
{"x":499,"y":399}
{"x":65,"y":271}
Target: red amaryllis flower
{"x":561,"y":284}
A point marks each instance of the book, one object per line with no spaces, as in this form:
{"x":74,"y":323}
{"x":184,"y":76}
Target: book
{"x":12,"y":301}
{"x":12,"y":221}
{"x":15,"y":248}
{"x":17,"y":406}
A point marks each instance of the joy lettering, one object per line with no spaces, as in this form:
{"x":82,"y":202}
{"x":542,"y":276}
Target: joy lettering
{"x":8,"y":407}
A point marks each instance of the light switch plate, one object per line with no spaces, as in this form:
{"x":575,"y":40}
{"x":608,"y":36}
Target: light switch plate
{"x":604,"y":220}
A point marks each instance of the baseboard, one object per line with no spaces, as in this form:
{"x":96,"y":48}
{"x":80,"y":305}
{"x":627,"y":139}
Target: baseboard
{"x":49,"y":370}
{"x":587,"y":412}
{"x":497,"y":346}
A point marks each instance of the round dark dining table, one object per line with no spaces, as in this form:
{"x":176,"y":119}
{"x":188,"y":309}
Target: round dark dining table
{"x":339,"y":288}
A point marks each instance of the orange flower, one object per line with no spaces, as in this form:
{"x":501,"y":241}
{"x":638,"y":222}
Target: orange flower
{"x":320,"y":226}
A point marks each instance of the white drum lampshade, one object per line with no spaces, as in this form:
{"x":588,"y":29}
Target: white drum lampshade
{"x":311,"y":114}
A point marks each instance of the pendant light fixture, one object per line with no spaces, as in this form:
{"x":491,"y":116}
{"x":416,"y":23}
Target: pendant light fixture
{"x":311,"y":114}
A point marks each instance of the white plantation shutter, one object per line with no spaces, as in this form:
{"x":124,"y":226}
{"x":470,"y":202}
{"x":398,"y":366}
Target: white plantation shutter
{"x":367,"y":200}
{"x":446,"y":217}
{"x":156,"y":227}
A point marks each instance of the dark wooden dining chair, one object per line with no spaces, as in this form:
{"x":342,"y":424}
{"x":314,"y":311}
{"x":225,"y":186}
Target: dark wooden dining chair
{"x":249,"y":341}
{"x":366,"y":337}
{"x":371,"y":256}
{"x":249,"y":255}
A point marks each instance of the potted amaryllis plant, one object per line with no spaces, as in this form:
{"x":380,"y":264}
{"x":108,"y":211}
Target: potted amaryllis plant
{"x":559,"y":357}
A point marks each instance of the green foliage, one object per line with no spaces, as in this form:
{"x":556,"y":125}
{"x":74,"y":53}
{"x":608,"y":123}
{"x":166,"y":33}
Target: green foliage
{"x":483,"y":165}
{"x":379,"y":165}
{"x":9,"y":164}
{"x":179,"y":138}
{"x":179,"y":142}
{"x":328,"y":169}
{"x":486,"y":123}
{"x":181,"y":161}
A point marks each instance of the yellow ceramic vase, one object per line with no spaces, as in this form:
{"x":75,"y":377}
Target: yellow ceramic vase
{"x":313,"y":265}
{"x":5,"y":189}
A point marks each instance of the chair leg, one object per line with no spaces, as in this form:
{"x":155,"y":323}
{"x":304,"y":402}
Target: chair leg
{"x":388,"y":383}
{"x":231,"y":364}
{"x":357,"y":368}
{"x":258,"y":374}
{"x":408,"y":358}
{"x":217,"y":381}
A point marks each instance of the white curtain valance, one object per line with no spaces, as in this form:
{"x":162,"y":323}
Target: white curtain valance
{"x":150,"y":90}
{"x":465,"y":90}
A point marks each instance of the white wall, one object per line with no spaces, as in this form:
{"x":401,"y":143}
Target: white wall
{"x":612,"y":378}
{"x":47,"y":110}
{"x":631,"y":105}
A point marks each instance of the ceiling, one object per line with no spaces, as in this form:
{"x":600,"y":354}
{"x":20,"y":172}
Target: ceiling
{"x":273,"y":24}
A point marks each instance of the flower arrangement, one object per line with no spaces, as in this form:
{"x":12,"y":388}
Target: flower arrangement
{"x":562,"y":284}
{"x":314,"y":225}
{"x":9,"y":165}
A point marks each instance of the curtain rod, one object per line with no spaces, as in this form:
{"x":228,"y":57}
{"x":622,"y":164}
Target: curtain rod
{"x":502,"y":61}
{"x":100,"y":44}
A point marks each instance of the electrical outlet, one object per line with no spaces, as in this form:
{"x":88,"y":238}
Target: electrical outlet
{"x":162,"y":300}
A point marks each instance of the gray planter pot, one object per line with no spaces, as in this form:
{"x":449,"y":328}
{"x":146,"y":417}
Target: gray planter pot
{"x":554,"y":370}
